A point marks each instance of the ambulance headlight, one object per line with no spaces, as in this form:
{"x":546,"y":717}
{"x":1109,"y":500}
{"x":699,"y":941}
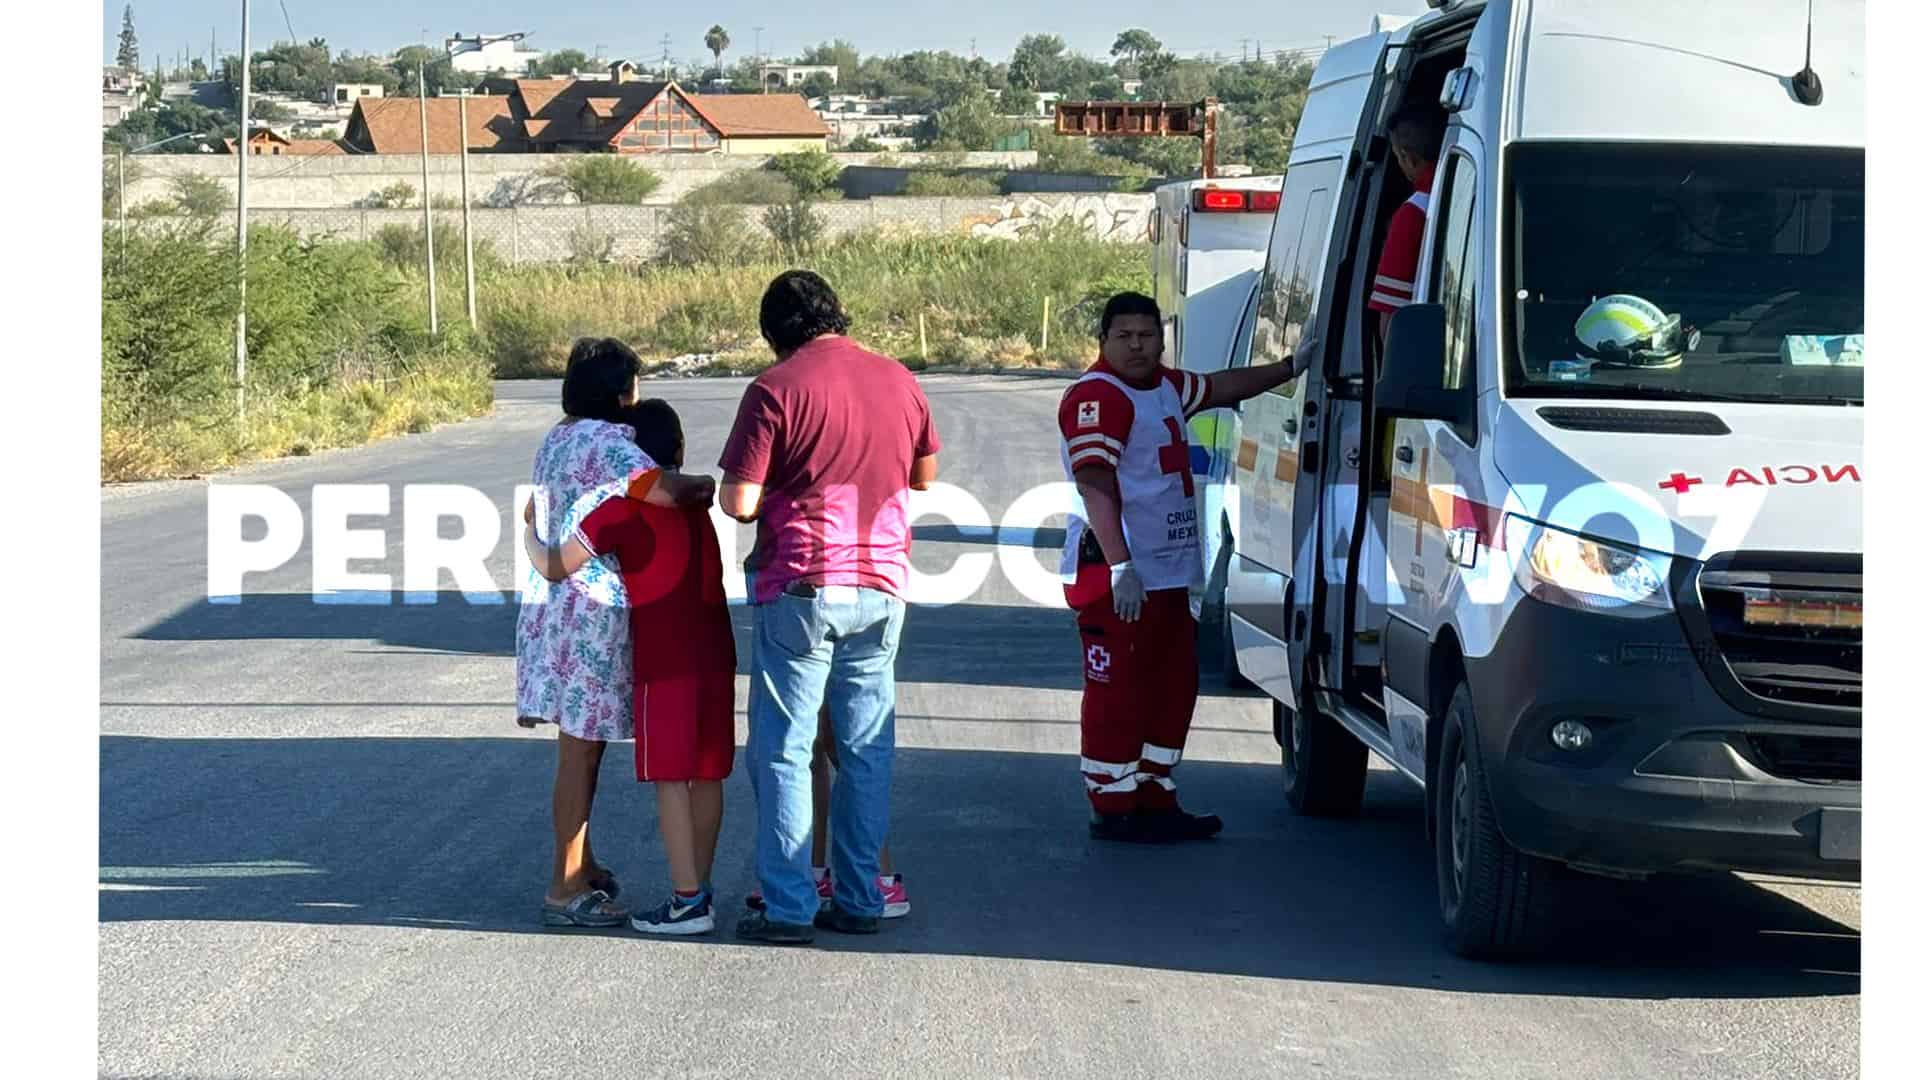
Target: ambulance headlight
{"x":1571,"y":571}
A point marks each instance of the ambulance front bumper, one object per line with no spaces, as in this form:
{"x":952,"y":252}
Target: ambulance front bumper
{"x":1675,"y":778}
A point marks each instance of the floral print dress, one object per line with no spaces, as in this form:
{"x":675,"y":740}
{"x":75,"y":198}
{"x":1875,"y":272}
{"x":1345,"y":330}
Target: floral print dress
{"x":573,"y":651}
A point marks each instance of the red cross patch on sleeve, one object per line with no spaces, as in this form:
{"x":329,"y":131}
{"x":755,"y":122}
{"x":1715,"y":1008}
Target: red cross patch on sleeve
{"x":1089,"y":415}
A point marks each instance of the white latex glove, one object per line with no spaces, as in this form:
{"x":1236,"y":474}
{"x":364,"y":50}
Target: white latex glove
{"x":1129,"y":594}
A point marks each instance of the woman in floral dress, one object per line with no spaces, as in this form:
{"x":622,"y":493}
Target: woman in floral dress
{"x":574,"y":656}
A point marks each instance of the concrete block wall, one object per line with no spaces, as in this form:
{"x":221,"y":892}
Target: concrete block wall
{"x":318,"y":183}
{"x":542,"y":234}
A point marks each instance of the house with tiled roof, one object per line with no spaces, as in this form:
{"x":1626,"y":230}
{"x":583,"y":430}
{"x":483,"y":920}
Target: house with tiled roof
{"x":631,"y":115}
{"x":266,"y":142}
{"x":392,"y":126}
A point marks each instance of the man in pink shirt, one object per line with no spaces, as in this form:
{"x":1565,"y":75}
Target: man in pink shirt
{"x":824,"y":448}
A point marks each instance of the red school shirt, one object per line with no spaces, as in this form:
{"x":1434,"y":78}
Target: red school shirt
{"x":676,"y":597}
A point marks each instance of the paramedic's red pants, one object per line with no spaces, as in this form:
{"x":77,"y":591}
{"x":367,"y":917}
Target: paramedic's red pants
{"x":1141,"y":681}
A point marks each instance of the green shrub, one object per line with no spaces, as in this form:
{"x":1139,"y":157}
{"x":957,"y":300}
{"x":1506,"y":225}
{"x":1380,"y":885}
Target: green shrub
{"x":405,"y":246}
{"x":705,"y":234}
{"x":604,"y":179}
{"x":199,"y":196}
{"x":813,"y":173}
{"x":395,"y":196}
{"x":929,"y":183}
{"x":743,"y":187}
{"x":337,"y":353}
{"x":589,"y":247}
{"x":796,"y":229}
{"x":863,"y":144}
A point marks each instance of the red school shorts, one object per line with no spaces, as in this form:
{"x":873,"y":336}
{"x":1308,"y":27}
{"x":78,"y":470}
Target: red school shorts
{"x":683,"y":728}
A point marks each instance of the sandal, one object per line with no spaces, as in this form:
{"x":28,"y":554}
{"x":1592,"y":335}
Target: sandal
{"x":593,"y":908}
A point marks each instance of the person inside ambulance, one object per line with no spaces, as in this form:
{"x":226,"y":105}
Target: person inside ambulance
{"x":1132,"y":552}
{"x":1414,"y":132}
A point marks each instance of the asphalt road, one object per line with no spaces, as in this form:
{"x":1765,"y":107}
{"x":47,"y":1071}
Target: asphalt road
{"x":323,"y":843}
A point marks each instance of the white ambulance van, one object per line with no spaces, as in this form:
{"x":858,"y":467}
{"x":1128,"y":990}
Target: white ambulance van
{"x":1577,"y":547}
{"x":1208,"y":246}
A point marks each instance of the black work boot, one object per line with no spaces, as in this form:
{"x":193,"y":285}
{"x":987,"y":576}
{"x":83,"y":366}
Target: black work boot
{"x":1174,"y":825}
{"x":1120,"y":828}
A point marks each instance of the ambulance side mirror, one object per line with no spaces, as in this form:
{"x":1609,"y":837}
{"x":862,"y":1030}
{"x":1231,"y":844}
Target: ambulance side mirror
{"x":1412,"y":383}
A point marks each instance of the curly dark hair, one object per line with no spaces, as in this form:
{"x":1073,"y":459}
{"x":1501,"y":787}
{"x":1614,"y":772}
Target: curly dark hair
{"x":599,"y":370}
{"x":797,"y":307}
{"x":1127,"y":303}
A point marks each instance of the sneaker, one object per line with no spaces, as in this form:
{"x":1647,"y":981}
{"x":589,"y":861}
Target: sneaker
{"x":822,"y":887}
{"x":893,"y":890}
{"x":676,"y":916}
{"x":755,"y":926}
{"x":831,"y":917}
{"x":1176,"y":825}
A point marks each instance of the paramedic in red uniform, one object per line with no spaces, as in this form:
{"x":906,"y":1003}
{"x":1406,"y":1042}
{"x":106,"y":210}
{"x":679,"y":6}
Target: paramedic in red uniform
{"x":1415,"y":133}
{"x":1130,"y":558}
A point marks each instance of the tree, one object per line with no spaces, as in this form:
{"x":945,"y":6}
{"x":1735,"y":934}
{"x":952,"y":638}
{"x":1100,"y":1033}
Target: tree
{"x":129,"y":55}
{"x":559,"y":62}
{"x":718,"y":42}
{"x":440,"y":77}
{"x":1037,"y":62}
{"x":1135,"y":44}
{"x":1018,"y":101}
{"x":841,"y":54}
{"x":1185,"y":80}
{"x":969,"y":122}
{"x":816,"y":86}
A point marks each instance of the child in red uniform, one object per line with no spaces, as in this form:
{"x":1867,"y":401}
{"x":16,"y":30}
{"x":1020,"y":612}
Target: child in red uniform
{"x":683,"y":662}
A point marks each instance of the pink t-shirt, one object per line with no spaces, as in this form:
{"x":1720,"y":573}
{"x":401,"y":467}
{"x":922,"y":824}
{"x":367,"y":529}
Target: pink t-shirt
{"x":831,"y":434}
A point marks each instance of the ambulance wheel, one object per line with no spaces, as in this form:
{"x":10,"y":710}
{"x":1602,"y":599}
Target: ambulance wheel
{"x":1495,"y":901}
{"x":1323,"y":768}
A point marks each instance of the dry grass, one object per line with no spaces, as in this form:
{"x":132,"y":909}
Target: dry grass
{"x":981,"y":300}
{"x":295,"y":426}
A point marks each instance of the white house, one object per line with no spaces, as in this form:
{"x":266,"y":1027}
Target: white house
{"x":792,"y":75}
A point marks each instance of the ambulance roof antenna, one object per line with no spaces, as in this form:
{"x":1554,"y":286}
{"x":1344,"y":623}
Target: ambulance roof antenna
{"x":1806,"y":85}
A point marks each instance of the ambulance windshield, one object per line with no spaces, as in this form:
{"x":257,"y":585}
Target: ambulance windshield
{"x":1687,"y":273}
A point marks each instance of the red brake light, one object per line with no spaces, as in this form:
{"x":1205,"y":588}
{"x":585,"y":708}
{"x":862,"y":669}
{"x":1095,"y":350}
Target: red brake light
{"x":1266,"y":202}
{"x":1213,"y":200}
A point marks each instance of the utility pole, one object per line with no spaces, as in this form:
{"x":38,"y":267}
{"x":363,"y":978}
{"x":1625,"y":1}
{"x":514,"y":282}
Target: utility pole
{"x":240,"y":322}
{"x":466,"y":211}
{"x":426,"y":199}
{"x":1244,"y":42}
{"x":760,"y":58}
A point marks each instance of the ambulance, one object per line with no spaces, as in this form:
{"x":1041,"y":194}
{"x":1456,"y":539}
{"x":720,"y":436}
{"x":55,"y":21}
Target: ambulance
{"x":1208,"y":247}
{"x":1576,"y":544}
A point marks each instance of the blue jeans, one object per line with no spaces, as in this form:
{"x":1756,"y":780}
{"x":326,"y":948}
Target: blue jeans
{"x":836,"y":647}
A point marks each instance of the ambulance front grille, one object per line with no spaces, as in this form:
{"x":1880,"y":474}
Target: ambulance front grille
{"x":1788,"y":636}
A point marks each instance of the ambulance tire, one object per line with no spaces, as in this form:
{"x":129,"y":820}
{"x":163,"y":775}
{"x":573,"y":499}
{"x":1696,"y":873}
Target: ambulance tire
{"x":1496,"y":902}
{"x":1323,"y":768}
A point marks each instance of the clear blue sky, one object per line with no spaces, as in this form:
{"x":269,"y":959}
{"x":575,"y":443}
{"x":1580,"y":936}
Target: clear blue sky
{"x":877,"y":27}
